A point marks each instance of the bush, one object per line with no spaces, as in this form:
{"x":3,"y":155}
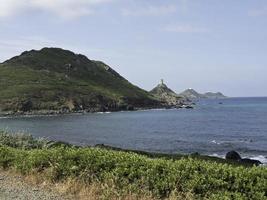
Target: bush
{"x":135,"y":173}
{"x":23,"y":141}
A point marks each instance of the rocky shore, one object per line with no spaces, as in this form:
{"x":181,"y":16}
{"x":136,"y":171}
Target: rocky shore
{"x":92,"y":110}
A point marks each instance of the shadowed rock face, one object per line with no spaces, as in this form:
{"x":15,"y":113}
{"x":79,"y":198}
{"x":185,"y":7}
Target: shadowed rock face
{"x":233,"y":155}
{"x":57,"y":79}
{"x":167,"y":96}
{"x":250,"y":161}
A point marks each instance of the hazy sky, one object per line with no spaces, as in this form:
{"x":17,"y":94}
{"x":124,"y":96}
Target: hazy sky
{"x":208,"y":45}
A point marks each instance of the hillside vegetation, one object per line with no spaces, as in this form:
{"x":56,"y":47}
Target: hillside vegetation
{"x":121,"y":173}
{"x":57,"y":79}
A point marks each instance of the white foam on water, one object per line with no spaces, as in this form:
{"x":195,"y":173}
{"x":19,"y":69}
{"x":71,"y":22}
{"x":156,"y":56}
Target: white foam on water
{"x":215,"y":142}
{"x":261,"y":158}
{"x":217,"y":155}
{"x":5,"y":117}
{"x":103,"y":112}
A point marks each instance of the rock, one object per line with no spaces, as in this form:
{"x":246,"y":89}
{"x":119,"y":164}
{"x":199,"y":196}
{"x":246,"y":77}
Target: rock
{"x":168,"y":97}
{"x":250,"y":161}
{"x":233,"y":155}
{"x":188,"y":107}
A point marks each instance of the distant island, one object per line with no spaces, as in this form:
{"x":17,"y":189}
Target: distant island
{"x":192,"y":94}
{"x":172,"y":99}
{"x":54,"y":80}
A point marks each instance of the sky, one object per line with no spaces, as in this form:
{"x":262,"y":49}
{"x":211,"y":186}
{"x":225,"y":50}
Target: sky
{"x":208,"y":45}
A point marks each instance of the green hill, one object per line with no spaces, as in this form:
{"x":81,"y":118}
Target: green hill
{"x":54,"y":79}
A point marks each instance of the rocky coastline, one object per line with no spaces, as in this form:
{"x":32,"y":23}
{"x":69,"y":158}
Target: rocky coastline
{"x":86,"y":111}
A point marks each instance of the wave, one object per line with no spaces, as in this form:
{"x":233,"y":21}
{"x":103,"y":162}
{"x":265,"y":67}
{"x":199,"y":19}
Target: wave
{"x":215,"y":142}
{"x":103,"y":112}
{"x":261,"y":158}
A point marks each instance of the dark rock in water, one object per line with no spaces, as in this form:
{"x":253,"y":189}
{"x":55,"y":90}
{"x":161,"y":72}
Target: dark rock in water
{"x":233,"y":155}
{"x":250,"y":161}
{"x":189,"y":107}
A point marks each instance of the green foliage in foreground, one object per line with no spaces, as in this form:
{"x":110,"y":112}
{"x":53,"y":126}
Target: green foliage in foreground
{"x":22,"y":141}
{"x":135,"y":173}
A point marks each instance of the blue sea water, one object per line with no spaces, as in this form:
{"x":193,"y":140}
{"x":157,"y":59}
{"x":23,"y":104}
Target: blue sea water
{"x":214,"y":127}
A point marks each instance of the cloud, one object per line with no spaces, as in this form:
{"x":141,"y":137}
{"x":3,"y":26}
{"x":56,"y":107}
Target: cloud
{"x":150,"y":11}
{"x":185,"y":29}
{"x":258,"y":12}
{"x":62,"y":8}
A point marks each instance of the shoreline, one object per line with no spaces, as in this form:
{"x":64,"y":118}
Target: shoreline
{"x":175,"y":156}
{"x":61,"y":112}
{"x":15,"y":140}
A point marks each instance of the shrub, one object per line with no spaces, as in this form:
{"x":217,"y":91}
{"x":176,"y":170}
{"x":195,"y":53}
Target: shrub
{"x":130,"y":172}
{"x":22,"y":140}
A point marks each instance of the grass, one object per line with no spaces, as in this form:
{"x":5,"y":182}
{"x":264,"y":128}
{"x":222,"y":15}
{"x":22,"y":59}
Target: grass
{"x":119,"y":174}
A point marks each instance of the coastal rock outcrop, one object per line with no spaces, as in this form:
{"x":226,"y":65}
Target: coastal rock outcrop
{"x":250,"y":161}
{"x":233,"y":155}
{"x":169,"y":98}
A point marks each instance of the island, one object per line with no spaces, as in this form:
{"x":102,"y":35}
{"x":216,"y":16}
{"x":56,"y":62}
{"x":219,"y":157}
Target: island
{"x":193,"y":94}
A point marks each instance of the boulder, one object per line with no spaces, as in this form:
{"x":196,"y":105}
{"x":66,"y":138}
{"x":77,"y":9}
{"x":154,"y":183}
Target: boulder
{"x":250,"y":161}
{"x":233,"y":155}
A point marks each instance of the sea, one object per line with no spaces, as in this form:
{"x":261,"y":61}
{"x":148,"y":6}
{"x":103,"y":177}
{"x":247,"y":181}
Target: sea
{"x":214,"y":127}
